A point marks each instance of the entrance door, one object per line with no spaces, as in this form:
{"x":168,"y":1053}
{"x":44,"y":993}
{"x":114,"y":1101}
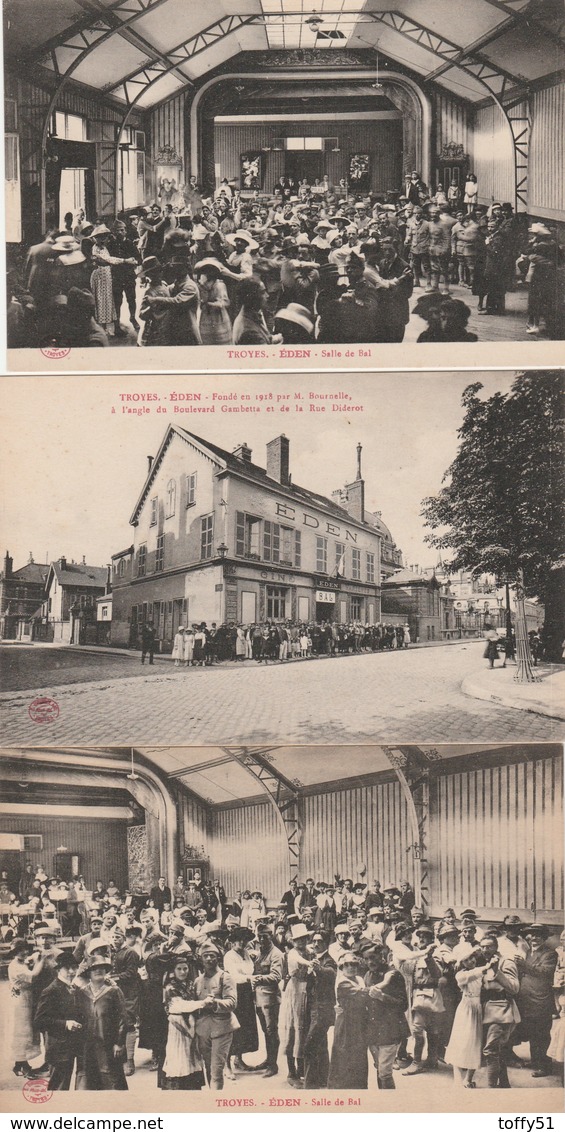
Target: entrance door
{"x":72,"y":193}
{"x":325,"y":611}
{"x":303,"y":163}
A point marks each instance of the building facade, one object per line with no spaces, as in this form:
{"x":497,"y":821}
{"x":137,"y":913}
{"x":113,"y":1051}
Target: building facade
{"x":424,"y":601}
{"x":21,"y":593}
{"x":222,"y":540}
{"x":69,"y":602}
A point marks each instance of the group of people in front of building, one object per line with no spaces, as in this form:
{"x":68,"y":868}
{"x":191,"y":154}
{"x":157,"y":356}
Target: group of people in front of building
{"x":200,"y":644}
{"x":337,"y":977}
{"x":306,"y":263}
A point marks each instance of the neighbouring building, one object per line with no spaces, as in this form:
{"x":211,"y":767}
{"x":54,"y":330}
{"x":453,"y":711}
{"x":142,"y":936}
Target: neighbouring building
{"x":68,"y":613}
{"x":423,"y":600}
{"x":222,"y":540}
{"x":21,"y":592}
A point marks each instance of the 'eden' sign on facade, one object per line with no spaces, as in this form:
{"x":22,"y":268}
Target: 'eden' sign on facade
{"x":287,"y":512}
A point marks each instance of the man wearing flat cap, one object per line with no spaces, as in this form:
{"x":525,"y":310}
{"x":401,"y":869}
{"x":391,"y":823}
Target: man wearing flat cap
{"x":535,"y":999}
{"x":58,"y":1018}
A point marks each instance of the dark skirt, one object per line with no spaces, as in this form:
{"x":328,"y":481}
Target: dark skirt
{"x":246,"y":1039}
{"x":153,"y":1024}
{"x":194,"y":1081}
{"x":349,"y":1066}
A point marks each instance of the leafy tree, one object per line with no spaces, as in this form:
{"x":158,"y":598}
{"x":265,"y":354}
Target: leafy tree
{"x":502,"y":506}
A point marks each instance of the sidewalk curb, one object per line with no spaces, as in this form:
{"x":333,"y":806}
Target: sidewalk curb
{"x":510,"y":698}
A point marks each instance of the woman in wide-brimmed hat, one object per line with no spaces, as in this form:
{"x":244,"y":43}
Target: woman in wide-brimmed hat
{"x":215,"y":323}
{"x":240,"y":965}
{"x":103,"y":1011}
{"x":21,"y":973}
{"x":101,"y":278}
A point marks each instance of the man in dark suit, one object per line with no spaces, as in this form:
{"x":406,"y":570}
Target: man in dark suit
{"x":321,"y":1003}
{"x":160,"y":894}
{"x":535,"y":999}
{"x":58,"y":1018}
{"x":289,"y":897}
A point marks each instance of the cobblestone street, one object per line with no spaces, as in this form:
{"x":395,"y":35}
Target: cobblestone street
{"x":410,"y":696}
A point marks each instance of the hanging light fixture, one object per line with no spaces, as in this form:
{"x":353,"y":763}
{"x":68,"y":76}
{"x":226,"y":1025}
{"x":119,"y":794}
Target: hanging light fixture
{"x":133,"y":777}
{"x":377,"y":85}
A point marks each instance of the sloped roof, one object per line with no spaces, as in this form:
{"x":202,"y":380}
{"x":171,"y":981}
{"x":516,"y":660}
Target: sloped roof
{"x":408,"y":577}
{"x":247,"y":470}
{"x":80,"y":574}
{"x":32,"y":572}
{"x":146,"y":51}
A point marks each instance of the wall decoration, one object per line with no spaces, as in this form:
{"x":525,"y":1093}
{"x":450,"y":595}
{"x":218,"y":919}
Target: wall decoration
{"x":252,"y":170}
{"x":359,"y":172}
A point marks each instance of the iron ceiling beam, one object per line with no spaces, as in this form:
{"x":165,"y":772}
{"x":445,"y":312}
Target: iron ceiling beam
{"x":523,"y":14}
{"x":96,"y":8}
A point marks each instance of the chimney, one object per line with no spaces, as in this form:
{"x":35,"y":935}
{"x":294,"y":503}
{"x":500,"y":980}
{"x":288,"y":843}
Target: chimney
{"x":243,"y":453}
{"x":63,"y":563}
{"x":8,"y":564}
{"x":278,"y":459}
{"x":359,"y":451}
{"x":30,"y":559}
{"x":149,"y":463}
{"x":84,"y":560}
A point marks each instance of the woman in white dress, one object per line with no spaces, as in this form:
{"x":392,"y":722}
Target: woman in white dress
{"x":182,"y":1067}
{"x":188,"y":647}
{"x":21,"y":972}
{"x":178,"y":647}
{"x":294,"y":1015}
{"x":466,"y":1041}
{"x":101,"y":278}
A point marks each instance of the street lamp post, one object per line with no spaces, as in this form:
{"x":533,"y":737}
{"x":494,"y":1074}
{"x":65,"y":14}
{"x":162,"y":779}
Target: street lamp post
{"x":524,"y":672}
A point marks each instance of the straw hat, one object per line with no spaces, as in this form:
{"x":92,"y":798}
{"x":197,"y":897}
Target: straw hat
{"x":299,"y":931}
{"x":210,"y":261}
{"x":295,"y":312}
{"x":101,"y":230}
{"x":150,"y":263}
{"x":244,"y":236}
{"x":65,"y":244}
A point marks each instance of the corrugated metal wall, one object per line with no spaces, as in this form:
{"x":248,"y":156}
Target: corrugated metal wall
{"x":451,"y":121}
{"x":381,"y":139}
{"x":166,"y":126}
{"x":492,"y":155}
{"x":249,"y":850}
{"x":547,"y":153}
{"x":101,"y":845}
{"x":347,"y":829}
{"x":498,"y":838}
{"x":194,"y":823}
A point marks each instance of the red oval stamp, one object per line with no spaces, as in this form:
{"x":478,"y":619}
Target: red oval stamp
{"x":55,"y":352}
{"x":43,"y":710}
{"x":36,"y":1090}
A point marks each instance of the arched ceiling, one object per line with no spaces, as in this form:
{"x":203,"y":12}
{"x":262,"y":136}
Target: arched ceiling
{"x":148,"y":50}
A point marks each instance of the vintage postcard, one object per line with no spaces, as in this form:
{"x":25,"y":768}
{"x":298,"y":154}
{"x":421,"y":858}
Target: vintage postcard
{"x":344,"y":560}
{"x":277,"y":185}
{"x":213,"y":928}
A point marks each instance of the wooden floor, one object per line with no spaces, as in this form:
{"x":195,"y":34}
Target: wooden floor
{"x":510,"y":327}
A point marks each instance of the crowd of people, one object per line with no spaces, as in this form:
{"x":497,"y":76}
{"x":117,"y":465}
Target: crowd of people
{"x":199,"y":644}
{"x":305,"y":263}
{"x":338,"y":976}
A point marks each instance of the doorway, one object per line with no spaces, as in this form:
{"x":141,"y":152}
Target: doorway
{"x":72,"y":193}
{"x":304,"y":163}
{"x":325,"y":611}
